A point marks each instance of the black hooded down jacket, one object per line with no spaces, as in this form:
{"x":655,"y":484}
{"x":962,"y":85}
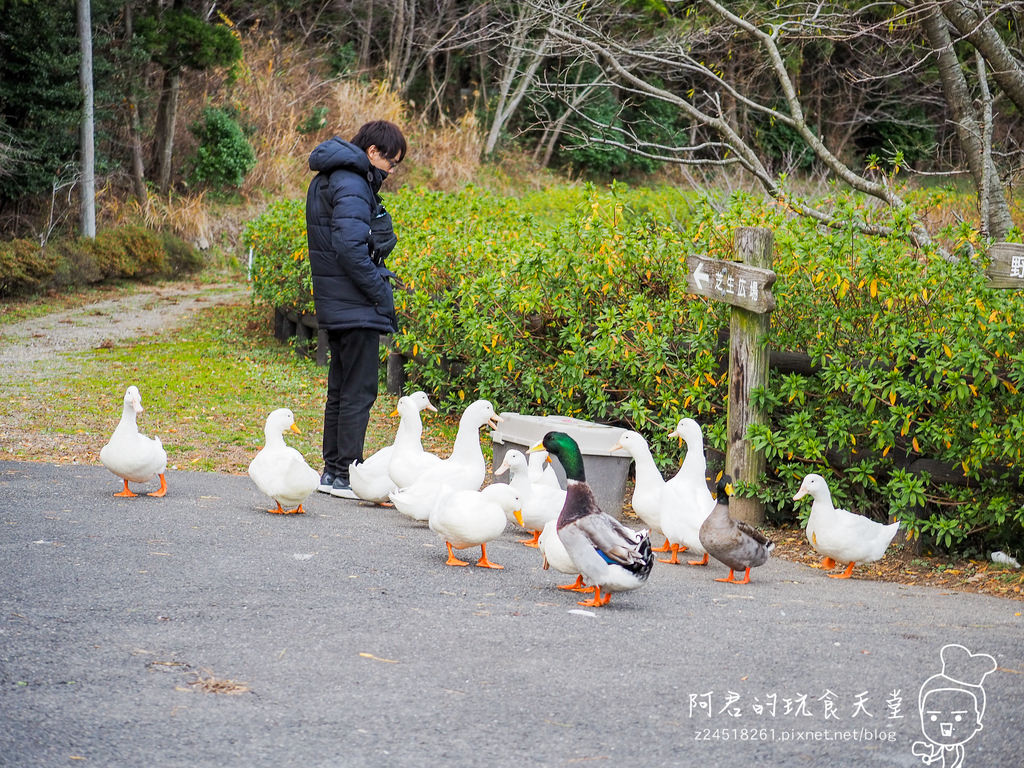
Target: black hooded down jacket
{"x":351,"y":289}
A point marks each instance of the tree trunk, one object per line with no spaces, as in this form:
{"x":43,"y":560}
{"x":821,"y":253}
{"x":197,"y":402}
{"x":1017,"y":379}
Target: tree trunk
{"x":508,"y":100}
{"x":969,"y":131}
{"x":1006,"y":69}
{"x":166,"y":116}
{"x":88,"y":201}
{"x":134,"y":123}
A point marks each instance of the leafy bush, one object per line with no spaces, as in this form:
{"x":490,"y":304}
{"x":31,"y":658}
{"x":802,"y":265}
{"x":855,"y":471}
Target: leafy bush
{"x":125,"y":252}
{"x":224,"y":155}
{"x":280,"y":259}
{"x":912,"y":408}
{"x":23,"y":267}
{"x":180,"y":257}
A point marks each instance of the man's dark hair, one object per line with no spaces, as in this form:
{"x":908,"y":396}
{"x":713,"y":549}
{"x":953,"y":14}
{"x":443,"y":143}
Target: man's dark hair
{"x":386,"y":136}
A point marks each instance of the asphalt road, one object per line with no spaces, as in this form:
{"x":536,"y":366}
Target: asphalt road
{"x":350,"y":643}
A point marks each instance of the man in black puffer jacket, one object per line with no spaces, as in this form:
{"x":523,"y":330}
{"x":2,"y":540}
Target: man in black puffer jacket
{"x":349,"y":235}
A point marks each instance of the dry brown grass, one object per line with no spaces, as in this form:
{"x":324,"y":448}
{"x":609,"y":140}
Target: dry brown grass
{"x":274,"y":89}
{"x":187,"y":216}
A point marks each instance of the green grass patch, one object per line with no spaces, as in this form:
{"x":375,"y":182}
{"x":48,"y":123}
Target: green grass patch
{"x":206,"y":389}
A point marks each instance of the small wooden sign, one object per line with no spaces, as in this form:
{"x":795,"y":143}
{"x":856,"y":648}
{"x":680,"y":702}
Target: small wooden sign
{"x":735,"y":283}
{"x":1006,"y":265}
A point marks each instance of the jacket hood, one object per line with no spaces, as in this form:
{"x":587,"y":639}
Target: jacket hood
{"x":336,"y":153}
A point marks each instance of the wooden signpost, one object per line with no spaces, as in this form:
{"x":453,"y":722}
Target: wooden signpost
{"x":1006,"y":265}
{"x":746,"y":287}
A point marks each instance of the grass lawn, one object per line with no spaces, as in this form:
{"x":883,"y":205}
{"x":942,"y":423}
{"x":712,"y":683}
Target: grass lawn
{"x":206,"y":389}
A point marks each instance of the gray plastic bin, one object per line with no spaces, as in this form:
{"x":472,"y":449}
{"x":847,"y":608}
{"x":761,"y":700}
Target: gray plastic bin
{"x":606,"y":472}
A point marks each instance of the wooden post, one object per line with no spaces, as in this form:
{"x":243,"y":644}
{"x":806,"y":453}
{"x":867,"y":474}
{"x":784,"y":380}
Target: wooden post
{"x":748,"y":370}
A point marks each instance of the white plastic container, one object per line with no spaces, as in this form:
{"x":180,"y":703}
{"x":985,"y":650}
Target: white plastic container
{"x":606,"y":471}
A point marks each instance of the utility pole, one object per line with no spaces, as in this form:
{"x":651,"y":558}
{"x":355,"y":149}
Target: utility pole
{"x":88,"y":193}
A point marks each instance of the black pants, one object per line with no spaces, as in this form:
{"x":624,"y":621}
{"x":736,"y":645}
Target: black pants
{"x":351,"y":391}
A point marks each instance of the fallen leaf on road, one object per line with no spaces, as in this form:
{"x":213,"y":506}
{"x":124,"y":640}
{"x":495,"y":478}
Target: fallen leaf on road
{"x":377,"y":658}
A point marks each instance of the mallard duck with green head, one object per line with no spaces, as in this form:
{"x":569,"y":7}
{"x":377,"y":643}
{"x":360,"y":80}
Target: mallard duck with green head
{"x":733,"y":542}
{"x":608,"y":555}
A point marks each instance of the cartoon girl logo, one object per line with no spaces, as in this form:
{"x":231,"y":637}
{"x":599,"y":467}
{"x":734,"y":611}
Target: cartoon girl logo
{"x":952,"y":704}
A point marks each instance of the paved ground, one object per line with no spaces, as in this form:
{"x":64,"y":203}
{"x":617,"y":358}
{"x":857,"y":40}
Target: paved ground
{"x":347,"y":642}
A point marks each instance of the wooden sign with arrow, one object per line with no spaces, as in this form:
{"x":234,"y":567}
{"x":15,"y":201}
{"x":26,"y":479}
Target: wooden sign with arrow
{"x":732,"y":282}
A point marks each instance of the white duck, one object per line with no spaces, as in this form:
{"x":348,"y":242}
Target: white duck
{"x":465,"y":469}
{"x":648,"y":489}
{"x":421,"y":499}
{"x":839,"y":535}
{"x":470,"y":518}
{"x":541,"y":503}
{"x":555,"y":556}
{"x":132,"y":456}
{"x":692,"y":501}
{"x":541,"y":471}
{"x":279,"y":470}
{"x":408,"y":460}
{"x":371,"y":479}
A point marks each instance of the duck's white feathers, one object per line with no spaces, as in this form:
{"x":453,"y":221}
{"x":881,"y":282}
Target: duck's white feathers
{"x":468,"y":518}
{"x":128,"y":454}
{"x":279,"y":470}
{"x":420,"y":499}
{"x":844,"y":536}
{"x":541,"y":471}
{"x":648,"y":499}
{"x":371,"y":480}
{"x":541,"y":502}
{"x":465,"y":468}
{"x":688,"y":500}
{"x":408,"y":460}
{"x":553,"y":550}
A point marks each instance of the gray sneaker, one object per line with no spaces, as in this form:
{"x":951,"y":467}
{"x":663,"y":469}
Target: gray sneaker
{"x":342,"y":489}
{"x":326,"y":482}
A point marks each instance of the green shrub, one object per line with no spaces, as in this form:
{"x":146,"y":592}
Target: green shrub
{"x":913,"y":408}
{"x":114,"y":254}
{"x":280,"y":259}
{"x":77,"y":260}
{"x":23,"y":267}
{"x":224,"y":155}
{"x":179,"y":256}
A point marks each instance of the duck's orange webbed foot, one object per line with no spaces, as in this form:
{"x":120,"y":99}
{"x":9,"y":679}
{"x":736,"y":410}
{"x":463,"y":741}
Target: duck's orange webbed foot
{"x":297,"y":511}
{"x":732,"y":578}
{"x":675,"y":550}
{"x":483,"y":562}
{"x":531,"y":542}
{"x":845,"y":574}
{"x":577,"y":586}
{"x":597,"y":600}
{"x":699,"y":562}
{"x":666,"y":547}
{"x":828,"y":563}
{"x":452,"y":559}
{"x":126,"y":492}
{"x":162,"y":489}
{"x":279,"y":510}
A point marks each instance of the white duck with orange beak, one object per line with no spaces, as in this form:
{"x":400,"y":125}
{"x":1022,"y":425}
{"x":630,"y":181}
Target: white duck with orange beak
{"x":132,"y":456}
{"x":279,"y":470}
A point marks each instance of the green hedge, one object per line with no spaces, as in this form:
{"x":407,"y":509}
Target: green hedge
{"x":574,"y":301}
{"x":123,"y":252}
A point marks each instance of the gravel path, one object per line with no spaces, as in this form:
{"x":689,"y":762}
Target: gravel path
{"x":150,"y":308}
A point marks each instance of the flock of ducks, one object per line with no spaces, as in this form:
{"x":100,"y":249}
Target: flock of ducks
{"x":573,"y":535}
